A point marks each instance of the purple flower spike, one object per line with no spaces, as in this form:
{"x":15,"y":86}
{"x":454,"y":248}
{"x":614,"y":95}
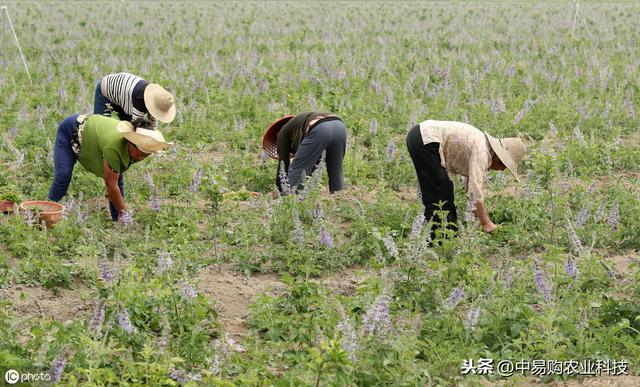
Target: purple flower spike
{"x":187,"y":291}
{"x":195,"y":182}
{"x":391,"y":150}
{"x":57,"y":368}
{"x":457,"y":294}
{"x":325,"y":238}
{"x":614,"y":217}
{"x":125,"y":322}
{"x":570,"y":268}
{"x":377,"y":319}
{"x":471,"y":321}
{"x":165,"y":263}
{"x":541,"y":283}
{"x":107,"y":273}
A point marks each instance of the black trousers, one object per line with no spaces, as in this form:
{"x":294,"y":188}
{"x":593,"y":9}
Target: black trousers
{"x":434,"y":181}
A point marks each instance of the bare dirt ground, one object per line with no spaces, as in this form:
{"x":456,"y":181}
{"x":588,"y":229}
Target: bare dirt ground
{"x":232,"y":292}
{"x":625,"y":264}
{"x":61,"y":305}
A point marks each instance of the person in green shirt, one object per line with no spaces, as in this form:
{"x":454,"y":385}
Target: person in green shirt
{"x":105,"y":147}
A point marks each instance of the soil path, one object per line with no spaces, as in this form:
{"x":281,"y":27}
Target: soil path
{"x":228,"y":290}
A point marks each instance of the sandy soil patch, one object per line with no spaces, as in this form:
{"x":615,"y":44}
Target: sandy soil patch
{"x":61,"y":305}
{"x":232,"y":292}
{"x":625,"y":264}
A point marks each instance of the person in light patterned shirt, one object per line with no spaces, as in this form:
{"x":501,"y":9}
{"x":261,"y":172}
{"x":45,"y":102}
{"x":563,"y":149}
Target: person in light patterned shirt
{"x":135,"y":100}
{"x":440,"y":149}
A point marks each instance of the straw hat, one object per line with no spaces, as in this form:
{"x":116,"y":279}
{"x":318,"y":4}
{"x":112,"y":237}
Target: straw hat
{"x":269,"y":141}
{"x":510,"y":151}
{"x":147,"y":140}
{"x":159,"y":102}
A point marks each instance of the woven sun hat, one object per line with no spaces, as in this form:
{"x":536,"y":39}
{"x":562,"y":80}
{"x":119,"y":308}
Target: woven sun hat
{"x":510,"y":151}
{"x":159,"y":102}
{"x":147,"y":140}
{"x":269,"y":141}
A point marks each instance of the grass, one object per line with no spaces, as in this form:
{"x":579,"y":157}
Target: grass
{"x":557,"y":281}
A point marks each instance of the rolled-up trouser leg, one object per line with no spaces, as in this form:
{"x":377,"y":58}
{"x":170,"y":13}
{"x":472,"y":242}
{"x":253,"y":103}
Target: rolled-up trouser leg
{"x":63,"y":158}
{"x":435,"y":185}
{"x":335,"y":155}
{"x":114,"y":211}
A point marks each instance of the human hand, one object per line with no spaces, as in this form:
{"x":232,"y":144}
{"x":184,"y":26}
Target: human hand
{"x":489,"y":227}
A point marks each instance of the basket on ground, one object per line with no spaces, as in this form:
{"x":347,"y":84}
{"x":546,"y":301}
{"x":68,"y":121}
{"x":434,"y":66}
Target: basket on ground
{"x":49,"y":212}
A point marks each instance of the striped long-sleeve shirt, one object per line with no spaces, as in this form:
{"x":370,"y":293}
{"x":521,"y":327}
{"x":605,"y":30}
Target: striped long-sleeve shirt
{"x":126,"y":92}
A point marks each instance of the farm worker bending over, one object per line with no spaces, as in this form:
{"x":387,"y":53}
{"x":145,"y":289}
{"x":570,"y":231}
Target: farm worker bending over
{"x":106,"y":147}
{"x":304,"y":137}
{"x":134,"y":100}
{"x":440,"y":148}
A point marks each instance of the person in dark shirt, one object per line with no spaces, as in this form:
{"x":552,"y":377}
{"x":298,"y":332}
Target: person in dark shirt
{"x":305,"y":137}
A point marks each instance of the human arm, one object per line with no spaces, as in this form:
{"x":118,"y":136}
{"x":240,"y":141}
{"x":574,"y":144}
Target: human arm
{"x":111,"y":184}
{"x":481,"y":213}
{"x":279,"y":175}
{"x":283,"y":143}
{"x":478,"y":165}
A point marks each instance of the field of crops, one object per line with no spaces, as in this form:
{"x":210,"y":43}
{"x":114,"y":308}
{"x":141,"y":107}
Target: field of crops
{"x":211,"y":285}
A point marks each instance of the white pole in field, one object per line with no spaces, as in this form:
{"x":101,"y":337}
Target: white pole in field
{"x":4,"y":37}
{"x":584,"y":21}
{"x":4,"y":11}
{"x":579,"y":14}
{"x":575,"y":19}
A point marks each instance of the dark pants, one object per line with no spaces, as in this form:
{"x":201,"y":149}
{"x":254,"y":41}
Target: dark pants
{"x":329,"y":136}
{"x":103,"y":106}
{"x":64,"y":161}
{"x":435,"y":184}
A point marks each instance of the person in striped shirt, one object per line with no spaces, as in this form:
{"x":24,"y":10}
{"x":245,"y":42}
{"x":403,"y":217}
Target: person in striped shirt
{"x":135,"y":100}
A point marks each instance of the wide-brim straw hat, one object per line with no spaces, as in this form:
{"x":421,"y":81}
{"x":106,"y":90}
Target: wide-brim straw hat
{"x":270,"y":139}
{"x":510,"y":151}
{"x":159,"y":103}
{"x":147,"y":140}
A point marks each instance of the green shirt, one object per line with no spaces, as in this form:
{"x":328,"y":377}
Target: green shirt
{"x":102,"y":141}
